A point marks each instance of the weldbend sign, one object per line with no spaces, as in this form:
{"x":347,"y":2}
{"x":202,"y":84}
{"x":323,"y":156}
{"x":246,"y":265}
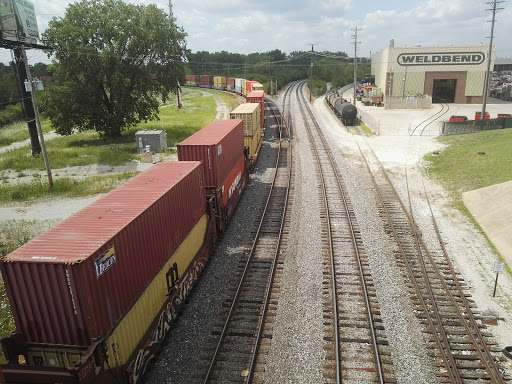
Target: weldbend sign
{"x":441,"y":58}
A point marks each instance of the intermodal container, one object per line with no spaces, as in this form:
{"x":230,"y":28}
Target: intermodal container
{"x":244,"y":87}
{"x":230,"y":83}
{"x":219,"y":82}
{"x":257,"y":87}
{"x":206,"y":81}
{"x":193,"y":80}
{"x":238,"y":85}
{"x":254,"y":144}
{"x":250,"y":114}
{"x":218,"y":146}
{"x":258,"y":97}
{"x":76,"y":281}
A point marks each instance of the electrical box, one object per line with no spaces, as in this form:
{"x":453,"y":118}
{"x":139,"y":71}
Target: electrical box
{"x":150,"y":141}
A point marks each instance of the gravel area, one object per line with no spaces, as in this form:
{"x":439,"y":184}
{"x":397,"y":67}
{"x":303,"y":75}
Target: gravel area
{"x":468,"y":249}
{"x":296,"y":354}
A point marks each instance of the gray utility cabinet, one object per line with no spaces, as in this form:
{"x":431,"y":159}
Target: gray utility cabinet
{"x":150,"y":141}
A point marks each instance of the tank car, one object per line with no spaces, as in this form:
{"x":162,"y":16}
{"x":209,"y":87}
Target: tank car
{"x":346,"y":111}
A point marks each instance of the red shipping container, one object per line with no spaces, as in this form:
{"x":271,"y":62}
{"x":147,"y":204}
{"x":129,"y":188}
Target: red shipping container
{"x":218,"y":146}
{"x":206,"y":81}
{"x":232,"y":181}
{"x":74,"y":282}
{"x":230,"y":83}
{"x":258,"y":97}
{"x":193,"y":79}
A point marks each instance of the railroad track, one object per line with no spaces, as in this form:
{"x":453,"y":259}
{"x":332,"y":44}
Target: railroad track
{"x":247,"y":320}
{"x":421,"y":127}
{"x":357,"y":347}
{"x":458,"y":341}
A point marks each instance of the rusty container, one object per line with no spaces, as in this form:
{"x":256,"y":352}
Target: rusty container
{"x":76,"y":281}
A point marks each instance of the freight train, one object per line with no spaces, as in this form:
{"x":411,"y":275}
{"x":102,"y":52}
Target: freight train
{"x":231,"y":84}
{"x":346,"y":111}
{"x":94,"y":297}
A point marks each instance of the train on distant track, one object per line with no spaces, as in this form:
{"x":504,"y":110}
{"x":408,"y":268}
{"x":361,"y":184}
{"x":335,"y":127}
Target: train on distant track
{"x":94,"y":296}
{"x":346,"y":111}
{"x":231,"y":84}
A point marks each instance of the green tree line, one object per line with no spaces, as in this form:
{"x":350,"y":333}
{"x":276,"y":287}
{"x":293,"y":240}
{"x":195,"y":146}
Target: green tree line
{"x":328,"y":67}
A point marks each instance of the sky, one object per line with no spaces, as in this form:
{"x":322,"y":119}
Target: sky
{"x":247,"y":26}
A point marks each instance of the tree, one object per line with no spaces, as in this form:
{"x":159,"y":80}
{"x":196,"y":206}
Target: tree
{"x":112,"y":61}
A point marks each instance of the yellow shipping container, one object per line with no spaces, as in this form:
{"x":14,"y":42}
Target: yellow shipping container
{"x":122,"y":342}
{"x":219,"y":82}
{"x":250,"y":114}
{"x":254,"y":144}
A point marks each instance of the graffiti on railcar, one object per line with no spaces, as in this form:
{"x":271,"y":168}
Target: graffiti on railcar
{"x":174,"y":302}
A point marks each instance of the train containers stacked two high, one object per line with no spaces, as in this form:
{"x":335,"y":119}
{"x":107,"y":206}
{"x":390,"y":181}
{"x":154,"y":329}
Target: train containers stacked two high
{"x":230,"y":84}
{"x":219,"y":82}
{"x":258,"y":97}
{"x":250,"y":114}
{"x":220,"y":148}
{"x":193,"y":80}
{"x":93,"y":297}
{"x":205,"y":81}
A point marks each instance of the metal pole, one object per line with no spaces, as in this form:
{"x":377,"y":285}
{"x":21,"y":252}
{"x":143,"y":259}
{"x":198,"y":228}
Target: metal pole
{"x":38,"y":121}
{"x":494,"y":9}
{"x":311,"y":81}
{"x":495,"y":285}
{"x":28,"y":107}
{"x":355,"y":61}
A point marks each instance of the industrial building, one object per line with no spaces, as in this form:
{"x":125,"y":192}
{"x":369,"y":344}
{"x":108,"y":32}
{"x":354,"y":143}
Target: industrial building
{"x":447,"y":74}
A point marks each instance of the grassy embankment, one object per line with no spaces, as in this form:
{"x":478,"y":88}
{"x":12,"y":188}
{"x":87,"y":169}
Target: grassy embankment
{"x":460,"y":168}
{"x":84,"y":149}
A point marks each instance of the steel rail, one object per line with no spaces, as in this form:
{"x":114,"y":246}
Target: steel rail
{"x":444,"y":344}
{"x":434,"y":117}
{"x":276,"y":253}
{"x":354,"y":244}
{"x":247,"y":264}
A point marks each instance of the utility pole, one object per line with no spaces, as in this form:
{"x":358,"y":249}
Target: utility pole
{"x":178,"y":92}
{"x":390,"y":83}
{"x":311,"y":72}
{"x":356,"y":43}
{"x":30,"y":83}
{"x":269,"y":74}
{"x":494,"y":9}
{"x":21,"y":73}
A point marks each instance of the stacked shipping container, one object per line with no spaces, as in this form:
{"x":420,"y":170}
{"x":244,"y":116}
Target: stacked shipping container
{"x":219,"y":82}
{"x":250,"y":114}
{"x":258,"y":97}
{"x":220,"y":148}
{"x":75,"y":282}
